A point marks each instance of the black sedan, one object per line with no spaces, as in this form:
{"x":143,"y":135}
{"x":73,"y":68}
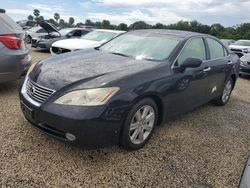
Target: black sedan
{"x":118,"y":93}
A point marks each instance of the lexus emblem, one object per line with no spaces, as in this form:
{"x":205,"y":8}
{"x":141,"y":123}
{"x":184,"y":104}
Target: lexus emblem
{"x":32,"y":90}
{"x":60,"y":50}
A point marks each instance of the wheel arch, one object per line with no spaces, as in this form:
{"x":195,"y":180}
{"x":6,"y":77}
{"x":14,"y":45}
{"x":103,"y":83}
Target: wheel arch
{"x":233,"y":76}
{"x":159,"y":102}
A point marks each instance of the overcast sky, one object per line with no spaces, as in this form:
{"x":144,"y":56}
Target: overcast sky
{"x":228,"y":12}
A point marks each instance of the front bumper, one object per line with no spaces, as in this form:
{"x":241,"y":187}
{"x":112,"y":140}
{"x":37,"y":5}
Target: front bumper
{"x":245,"y":70}
{"x":41,"y":44}
{"x":92,"y":127}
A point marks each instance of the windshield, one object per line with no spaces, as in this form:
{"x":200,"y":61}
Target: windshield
{"x":102,"y":36}
{"x":156,"y":47}
{"x":64,"y":32}
{"x":34,"y":29}
{"x":242,"y":43}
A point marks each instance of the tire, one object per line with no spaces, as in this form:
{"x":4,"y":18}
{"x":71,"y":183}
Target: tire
{"x":226,"y":93}
{"x":28,"y":40}
{"x":139,"y":124}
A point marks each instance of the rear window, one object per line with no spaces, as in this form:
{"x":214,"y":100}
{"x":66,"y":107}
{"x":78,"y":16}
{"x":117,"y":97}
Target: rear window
{"x":8,"y":25}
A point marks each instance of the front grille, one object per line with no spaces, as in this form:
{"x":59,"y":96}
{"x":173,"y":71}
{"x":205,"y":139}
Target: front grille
{"x":57,"y":50}
{"x":41,"y":45}
{"x":38,"y":93}
{"x":244,"y":70}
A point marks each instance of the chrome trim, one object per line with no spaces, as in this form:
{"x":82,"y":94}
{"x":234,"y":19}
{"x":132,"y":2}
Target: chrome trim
{"x":26,"y":96}
{"x":40,"y":95}
{"x":207,"y":69}
{"x":207,"y":60}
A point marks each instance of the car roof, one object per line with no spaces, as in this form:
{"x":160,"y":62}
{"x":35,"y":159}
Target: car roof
{"x":170,"y":32}
{"x":110,"y":30}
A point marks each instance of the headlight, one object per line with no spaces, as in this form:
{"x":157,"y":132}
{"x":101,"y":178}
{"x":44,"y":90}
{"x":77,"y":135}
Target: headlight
{"x":243,"y":62}
{"x":89,"y":97}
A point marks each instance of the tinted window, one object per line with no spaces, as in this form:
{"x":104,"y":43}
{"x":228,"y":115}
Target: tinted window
{"x":195,"y":48}
{"x":77,"y":33}
{"x":84,"y":32}
{"x":215,"y":48}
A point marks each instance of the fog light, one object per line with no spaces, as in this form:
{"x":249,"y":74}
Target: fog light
{"x":70,"y":137}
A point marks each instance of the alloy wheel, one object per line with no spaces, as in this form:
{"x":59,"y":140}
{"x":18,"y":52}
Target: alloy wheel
{"x":142,"y":124}
{"x":227,"y":91}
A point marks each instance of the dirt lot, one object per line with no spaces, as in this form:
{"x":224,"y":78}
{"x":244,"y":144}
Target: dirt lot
{"x":204,"y":148}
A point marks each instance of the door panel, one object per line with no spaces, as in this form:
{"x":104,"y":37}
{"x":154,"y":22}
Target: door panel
{"x":190,"y":85}
{"x":220,"y":67}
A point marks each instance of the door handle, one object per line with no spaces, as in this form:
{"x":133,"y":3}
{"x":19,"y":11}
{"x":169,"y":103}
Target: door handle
{"x":207,"y":69}
{"x":230,"y":62}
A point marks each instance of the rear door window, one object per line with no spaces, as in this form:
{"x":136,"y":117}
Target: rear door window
{"x":77,"y":33}
{"x":215,"y":48}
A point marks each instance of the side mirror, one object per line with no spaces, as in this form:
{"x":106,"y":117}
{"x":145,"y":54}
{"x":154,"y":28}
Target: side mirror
{"x":191,"y":63}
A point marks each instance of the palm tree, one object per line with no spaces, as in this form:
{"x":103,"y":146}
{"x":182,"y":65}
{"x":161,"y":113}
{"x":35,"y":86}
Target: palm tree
{"x":71,"y":21}
{"x":36,"y":13}
{"x":30,"y":17}
{"x":57,"y":17}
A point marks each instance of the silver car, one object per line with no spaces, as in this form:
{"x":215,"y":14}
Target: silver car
{"x":245,"y":65}
{"x":14,"y":55}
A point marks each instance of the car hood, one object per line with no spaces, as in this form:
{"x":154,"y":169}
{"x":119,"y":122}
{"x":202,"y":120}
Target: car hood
{"x":76,"y":44}
{"x":239,"y":47}
{"x":246,"y":57}
{"x":91,"y":67}
{"x":48,"y":27}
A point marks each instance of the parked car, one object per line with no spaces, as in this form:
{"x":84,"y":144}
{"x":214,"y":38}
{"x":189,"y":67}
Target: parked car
{"x":45,"y":42}
{"x":227,"y":42}
{"x":245,"y":178}
{"x":90,"y":40}
{"x":14,"y":55}
{"x":27,"y":24}
{"x":118,"y":93}
{"x":245,"y":65}
{"x":240,"y":47}
{"x":34,"y":32}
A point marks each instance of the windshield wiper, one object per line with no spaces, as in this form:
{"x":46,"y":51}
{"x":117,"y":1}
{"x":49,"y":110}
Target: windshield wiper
{"x":117,"y":53}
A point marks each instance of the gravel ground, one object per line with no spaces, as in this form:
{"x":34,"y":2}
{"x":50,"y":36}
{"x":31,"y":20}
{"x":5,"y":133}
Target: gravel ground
{"x":204,"y":148}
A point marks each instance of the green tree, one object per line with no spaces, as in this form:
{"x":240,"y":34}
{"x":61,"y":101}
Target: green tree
{"x":36,"y":13}
{"x":30,"y":17}
{"x":159,"y":26}
{"x":40,"y":18}
{"x":57,"y":17}
{"x":139,"y":25}
{"x":105,"y":24}
{"x":61,"y":22}
{"x":122,"y":26}
{"x":216,"y":29}
{"x":71,"y":21}
{"x":89,"y":22}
